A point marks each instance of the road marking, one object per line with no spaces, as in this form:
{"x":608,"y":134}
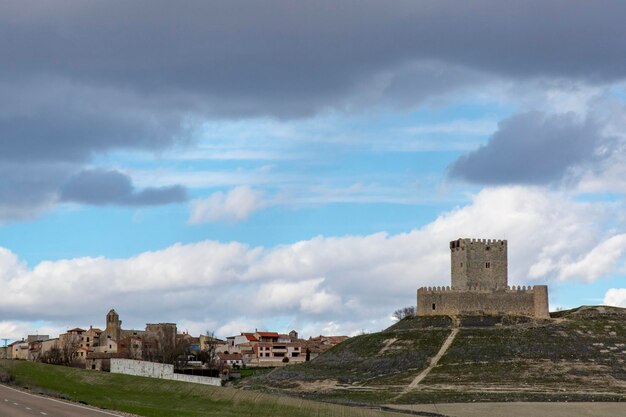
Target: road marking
{"x":41,"y":412}
{"x":95,"y":410}
{"x":28,"y":408}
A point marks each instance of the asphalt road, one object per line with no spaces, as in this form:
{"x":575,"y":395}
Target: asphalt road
{"x":16,"y":403}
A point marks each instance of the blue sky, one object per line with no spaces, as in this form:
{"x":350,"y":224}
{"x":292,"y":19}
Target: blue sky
{"x":304,"y":165}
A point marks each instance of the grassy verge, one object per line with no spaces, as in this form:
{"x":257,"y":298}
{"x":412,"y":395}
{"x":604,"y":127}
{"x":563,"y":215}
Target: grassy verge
{"x":160,"y":398}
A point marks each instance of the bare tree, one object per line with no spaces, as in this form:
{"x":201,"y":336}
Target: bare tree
{"x":53,"y":356}
{"x":69,"y":348}
{"x":208,"y":353}
{"x":404,"y":312}
{"x":181,"y":353}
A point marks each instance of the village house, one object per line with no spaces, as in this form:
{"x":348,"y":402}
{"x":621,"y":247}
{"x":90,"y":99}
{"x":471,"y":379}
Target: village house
{"x":34,"y":345}
{"x":18,"y":350}
{"x":266,"y":349}
{"x":218,"y":345}
{"x":230,"y":360}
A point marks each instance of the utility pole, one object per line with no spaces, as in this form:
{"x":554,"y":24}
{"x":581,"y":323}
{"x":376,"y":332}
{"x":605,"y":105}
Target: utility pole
{"x":5,"y":342}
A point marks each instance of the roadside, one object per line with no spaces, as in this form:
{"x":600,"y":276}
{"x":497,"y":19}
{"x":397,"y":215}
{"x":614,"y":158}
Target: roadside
{"x":584,"y":409}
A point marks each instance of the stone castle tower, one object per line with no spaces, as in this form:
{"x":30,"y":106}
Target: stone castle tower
{"x":478,"y":263}
{"x":479,"y":278}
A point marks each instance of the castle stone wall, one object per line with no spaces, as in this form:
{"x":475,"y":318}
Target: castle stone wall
{"x":513,"y":300}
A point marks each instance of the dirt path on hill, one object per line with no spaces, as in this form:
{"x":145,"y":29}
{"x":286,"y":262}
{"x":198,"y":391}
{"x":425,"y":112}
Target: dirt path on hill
{"x":435,"y":359}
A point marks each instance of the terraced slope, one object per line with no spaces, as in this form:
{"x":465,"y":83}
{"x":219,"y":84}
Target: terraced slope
{"x":578,"y":354}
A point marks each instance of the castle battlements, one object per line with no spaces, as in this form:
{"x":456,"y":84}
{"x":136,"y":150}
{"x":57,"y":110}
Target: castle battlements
{"x":518,"y":288}
{"x":479,"y":278}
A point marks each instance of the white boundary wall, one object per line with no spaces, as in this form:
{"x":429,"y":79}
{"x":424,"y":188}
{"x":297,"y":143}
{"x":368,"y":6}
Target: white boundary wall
{"x":158,"y":370}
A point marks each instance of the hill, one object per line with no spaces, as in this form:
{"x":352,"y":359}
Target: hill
{"x":576,"y":355}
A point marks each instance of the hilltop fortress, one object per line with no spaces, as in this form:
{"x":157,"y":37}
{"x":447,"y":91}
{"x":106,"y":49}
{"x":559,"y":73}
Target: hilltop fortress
{"x":480,"y":285}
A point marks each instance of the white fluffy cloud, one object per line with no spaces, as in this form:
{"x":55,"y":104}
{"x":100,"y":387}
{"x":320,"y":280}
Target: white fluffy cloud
{"x":236,"y":205}
{"x":615,"y":297}
{"x":349,"y":283}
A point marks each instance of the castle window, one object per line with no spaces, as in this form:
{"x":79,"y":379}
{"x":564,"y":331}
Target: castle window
{"x":461,"y":264}
{"x":433,"y":306}
{"x":487,"y":264}
{"x":487,"y":248}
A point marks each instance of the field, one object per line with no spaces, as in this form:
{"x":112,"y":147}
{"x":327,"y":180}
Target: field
{"x":159,"y":398}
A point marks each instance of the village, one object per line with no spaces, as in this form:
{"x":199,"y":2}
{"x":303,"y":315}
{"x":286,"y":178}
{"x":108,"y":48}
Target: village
{"x":94,"y":348}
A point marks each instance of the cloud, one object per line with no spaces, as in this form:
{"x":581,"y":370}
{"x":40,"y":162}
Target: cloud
{"x":26,"y":189}
{"x":236,"y":205}
{"x":598,"y":261}
{"x":103,"y":187}
{"x":186,"y":52}
{"x":532,"y":148}
{"x":615,"y":297}
{"x":354,"y":282}
{"x":89,"y":91}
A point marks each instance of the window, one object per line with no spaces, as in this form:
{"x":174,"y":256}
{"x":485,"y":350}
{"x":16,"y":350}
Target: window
{"x":88,"y":339}
{"x":433,"y":306}
{"x":461,"y":264}
{"x":487,"y":264}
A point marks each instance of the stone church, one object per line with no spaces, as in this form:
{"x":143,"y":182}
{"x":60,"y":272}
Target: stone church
{"x":479,"y":270}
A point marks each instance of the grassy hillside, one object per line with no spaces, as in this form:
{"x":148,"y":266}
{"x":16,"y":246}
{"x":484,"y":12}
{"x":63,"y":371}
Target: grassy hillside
{"x":579,"y":354}
{"x":160,"y":398}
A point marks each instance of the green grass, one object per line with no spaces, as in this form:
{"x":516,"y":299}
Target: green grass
{"x":160,"y":398}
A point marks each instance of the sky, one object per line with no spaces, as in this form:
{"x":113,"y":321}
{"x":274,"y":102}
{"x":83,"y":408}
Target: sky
{"x":239,"y":165}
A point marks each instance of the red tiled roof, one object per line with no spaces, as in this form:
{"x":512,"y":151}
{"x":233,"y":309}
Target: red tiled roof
{"x":230,"y":357}
{"x":250,"y":337}
{"x":77,"y":329}
{"x":267,"y":334}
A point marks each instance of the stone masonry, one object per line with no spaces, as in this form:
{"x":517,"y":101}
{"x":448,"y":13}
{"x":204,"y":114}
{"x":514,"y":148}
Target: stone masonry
{"x":479,"y":270}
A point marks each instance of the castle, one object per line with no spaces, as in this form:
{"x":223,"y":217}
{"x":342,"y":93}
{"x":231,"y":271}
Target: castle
{"x":479,"y":272}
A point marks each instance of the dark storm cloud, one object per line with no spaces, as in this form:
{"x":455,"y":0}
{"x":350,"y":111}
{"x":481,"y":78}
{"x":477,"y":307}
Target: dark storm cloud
{"x":101,"y":187}
{"x":531,"y":148}
{"x":52,"y":119}
{"x":28,"y":188}
{"x":282,"y":58}
{"x":81,"y":78}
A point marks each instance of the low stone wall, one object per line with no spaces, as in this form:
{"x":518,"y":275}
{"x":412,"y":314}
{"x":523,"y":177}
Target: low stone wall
{"x":525,"y":301}
{"x":157,"y":370}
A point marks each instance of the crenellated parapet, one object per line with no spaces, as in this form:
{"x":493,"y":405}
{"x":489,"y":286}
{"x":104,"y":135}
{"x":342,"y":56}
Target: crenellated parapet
{"x":478,"y":288}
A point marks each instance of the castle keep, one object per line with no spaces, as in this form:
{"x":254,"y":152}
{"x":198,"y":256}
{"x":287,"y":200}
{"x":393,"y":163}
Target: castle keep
{"x":480,"y":285}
